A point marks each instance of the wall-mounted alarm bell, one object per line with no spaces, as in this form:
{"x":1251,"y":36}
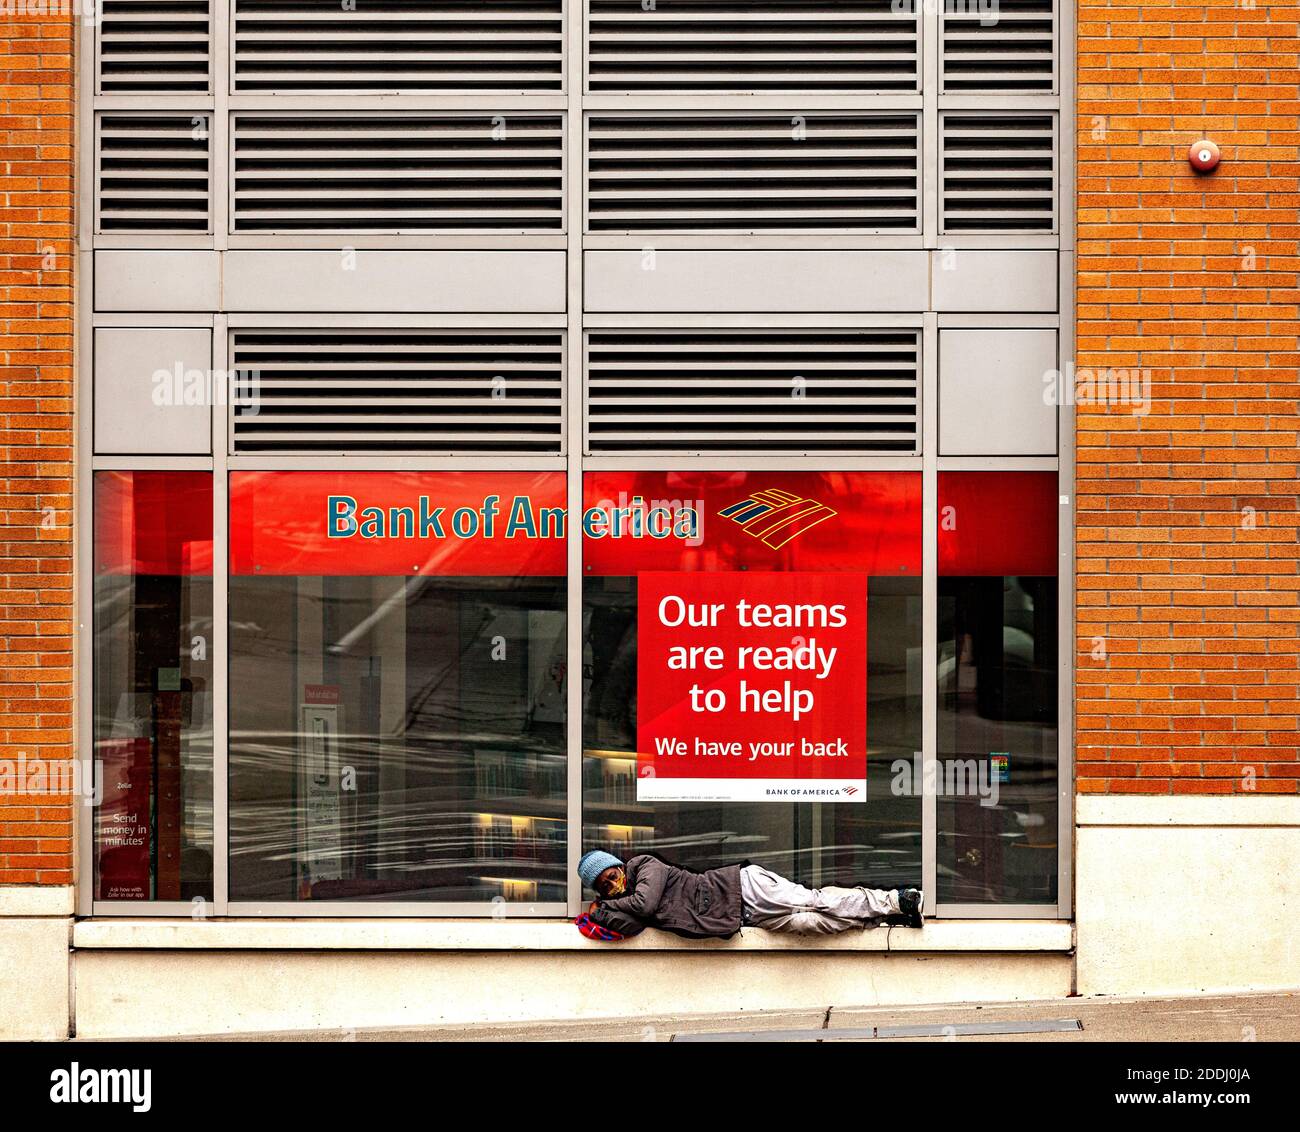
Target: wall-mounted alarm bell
{"x":1204,"y":155}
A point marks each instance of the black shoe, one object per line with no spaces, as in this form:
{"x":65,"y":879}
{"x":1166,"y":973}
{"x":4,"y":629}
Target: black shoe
{"x":909,"y":906}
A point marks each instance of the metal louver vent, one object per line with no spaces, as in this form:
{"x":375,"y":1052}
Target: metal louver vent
{"x":753,"y":172}
{"x":306,"y":45}
{"x":398,"y":391}
{"x":752,"y":45}
{"x":393,"y":173}
{"x":153,"y":173}
{"x":999,"y":173}
{"x":1008,"y":47}
{"x":154,"y":45}
{"x":751,"y":390}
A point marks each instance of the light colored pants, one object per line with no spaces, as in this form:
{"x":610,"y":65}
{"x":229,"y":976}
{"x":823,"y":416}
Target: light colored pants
{"x":775,"y":904}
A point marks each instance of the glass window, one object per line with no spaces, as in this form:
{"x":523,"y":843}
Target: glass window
{"x":777,"y":540}
{"x":998,"y":638}
{"x":398,"y":686}
{"x":152,"y":685}
{"x":751,"y":681}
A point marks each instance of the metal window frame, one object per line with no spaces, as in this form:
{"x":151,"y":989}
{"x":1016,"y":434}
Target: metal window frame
{"x":1010,"y":237}
{"x":171,"y":239}
{"x":678,"y":107}
{"x":575,"y":103}
{"x":729,"y":99}
{"x":1061,"y":11}
{"x":371,"y":237}
{"x":778,"y":322}
{"x":1065,"y":448}
{"x":397,"y":458}
{"x":96,"y":62}
{"x":347,"y":95}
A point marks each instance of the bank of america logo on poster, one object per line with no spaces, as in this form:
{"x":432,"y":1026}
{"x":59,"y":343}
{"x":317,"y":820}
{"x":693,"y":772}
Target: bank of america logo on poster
{"x":774,"y":517}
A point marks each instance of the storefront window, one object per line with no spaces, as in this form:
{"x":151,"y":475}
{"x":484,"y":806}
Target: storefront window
{"x":998,"y":638}
{"x":808,"y":585}
{"x":398,"y":676}
{"x":751,"y":682}
{"x":153,"y":684}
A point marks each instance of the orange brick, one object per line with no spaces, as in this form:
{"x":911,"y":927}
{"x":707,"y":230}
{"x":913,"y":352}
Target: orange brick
{"x":1166,"y":572}
{"x":36,"y":335}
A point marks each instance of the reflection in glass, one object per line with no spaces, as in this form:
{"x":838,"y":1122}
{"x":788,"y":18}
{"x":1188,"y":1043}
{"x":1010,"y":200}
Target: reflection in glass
{"x":152,"y":685}
{"x":997,"y":809}
{"x":397,"y":738}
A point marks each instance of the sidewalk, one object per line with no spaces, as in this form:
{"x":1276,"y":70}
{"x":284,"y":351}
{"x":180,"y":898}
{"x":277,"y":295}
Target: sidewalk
{"x":1224,"y":1018}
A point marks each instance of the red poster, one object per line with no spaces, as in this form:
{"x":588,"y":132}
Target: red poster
{"x":751,"y":686}
{"x":122,"y":819}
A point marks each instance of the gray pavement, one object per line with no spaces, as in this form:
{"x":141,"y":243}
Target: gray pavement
{"x":1224,"y":1018}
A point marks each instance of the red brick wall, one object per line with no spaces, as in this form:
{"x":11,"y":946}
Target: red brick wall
{"x":36,"y":258}
{"x":1187,"y":611}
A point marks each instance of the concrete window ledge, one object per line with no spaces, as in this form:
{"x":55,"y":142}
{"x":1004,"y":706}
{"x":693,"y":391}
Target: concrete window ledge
{"x":545,"y":935}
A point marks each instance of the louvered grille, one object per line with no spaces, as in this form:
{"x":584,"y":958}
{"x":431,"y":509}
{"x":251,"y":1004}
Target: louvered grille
{"x":752,"y":45}
{"x":753,"y":172}
{"x":398,"y":391}
{"x":1007,"y":47}
{"x":376,"y":45}
{"x":999,"y":173}
{"x":154,"y":45}
{"x":746,"y":390}
{"x":153,"y":172}
{"x":355,"y":172}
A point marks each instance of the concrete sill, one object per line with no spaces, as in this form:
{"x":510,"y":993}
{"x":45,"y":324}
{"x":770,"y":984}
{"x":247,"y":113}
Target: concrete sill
{"x":543,"y":935}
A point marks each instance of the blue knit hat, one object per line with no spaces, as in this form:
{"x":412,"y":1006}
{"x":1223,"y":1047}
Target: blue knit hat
{"x":594,"y":863}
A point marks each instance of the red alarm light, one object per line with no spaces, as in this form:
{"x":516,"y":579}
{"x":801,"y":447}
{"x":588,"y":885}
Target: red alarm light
{"x":1204,"y":156}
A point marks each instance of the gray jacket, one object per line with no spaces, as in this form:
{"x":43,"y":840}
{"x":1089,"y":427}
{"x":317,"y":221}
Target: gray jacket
{"x":678,"y":900}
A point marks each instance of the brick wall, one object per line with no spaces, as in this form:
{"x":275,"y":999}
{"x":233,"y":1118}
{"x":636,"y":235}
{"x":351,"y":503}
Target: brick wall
{"x":36,"y":257}
{"x":1187,"y":519}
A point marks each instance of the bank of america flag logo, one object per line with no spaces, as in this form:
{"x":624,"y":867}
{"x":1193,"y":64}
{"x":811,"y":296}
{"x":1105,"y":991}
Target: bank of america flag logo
{"x":774,"y":517}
